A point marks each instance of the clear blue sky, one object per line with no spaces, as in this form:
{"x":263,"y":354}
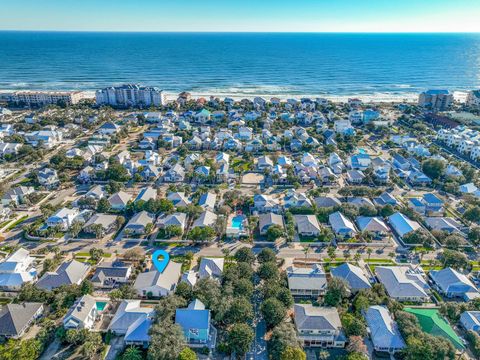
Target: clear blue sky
{"x":242,"y":15}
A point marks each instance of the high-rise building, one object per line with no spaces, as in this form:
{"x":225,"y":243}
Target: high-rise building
{"x":437,"y":100}
{"x":41,"y":98}
{"x":473,"y":98}
{"x":130,"y":95}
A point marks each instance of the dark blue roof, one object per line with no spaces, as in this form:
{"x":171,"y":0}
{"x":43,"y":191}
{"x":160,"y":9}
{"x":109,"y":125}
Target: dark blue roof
{"x":432,"y":198}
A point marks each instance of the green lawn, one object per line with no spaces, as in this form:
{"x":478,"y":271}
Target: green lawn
{"x":4,"y":223}
{"x":383,"y":261}
{"x":16,"y":223}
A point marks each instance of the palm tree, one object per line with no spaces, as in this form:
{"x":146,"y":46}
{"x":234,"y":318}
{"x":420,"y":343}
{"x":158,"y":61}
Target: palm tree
{"x":331,"y":252}
{"x":306,"y":250}
{"x":226,"y":253}
{"x":357,"y":257}
{"x":369,"y":252}
{"x":323,"y":355}
{"x":347,"y":254}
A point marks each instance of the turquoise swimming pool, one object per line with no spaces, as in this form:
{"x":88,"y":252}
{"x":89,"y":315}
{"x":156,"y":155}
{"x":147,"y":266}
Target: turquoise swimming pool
{"x":237,"y":222}
{"x":101,"y":305}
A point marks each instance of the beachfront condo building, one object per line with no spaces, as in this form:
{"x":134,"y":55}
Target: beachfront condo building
{"x":436,"y":100}
{"x":41,"y":98}
{"x":130,"y":95}
{"x":473,"y":98}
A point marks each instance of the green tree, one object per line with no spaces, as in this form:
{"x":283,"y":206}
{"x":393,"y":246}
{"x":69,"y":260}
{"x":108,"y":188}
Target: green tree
{"x":283,"y":335}
{"x":274,"y":232}
{"x":245,"y":254}
{"x":184,"y":290}
{"x":433,"y":168}
{"x":353,"y":325}
{"x":208,"y":291}
{"x":472,"y":214}
{"x":75,"y":228}
{"x":239,"y":339}
{"x":241,"y":310}
{"x":337,"y":291}
{"x":203,"y":234}
{"x":454,"y":259}
{"x":93,"y":345}
{"x":96,"y":254}
{"x":166,"y":341}
{"x":268,"y":271}
{"x":173,"y":230}
{"x":187,"y":354}
{"x":273,"y":312}
{"x":293,"y":353}
{"x":266,"y":255}
{"x":103,"y":205}
{"x":86,"y":287}
{"x":132,"y":353}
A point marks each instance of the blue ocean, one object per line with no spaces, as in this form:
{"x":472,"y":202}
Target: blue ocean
{"x":242,"y":64}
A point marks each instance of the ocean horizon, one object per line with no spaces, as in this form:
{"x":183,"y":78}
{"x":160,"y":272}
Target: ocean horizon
{"x":334,"y":65}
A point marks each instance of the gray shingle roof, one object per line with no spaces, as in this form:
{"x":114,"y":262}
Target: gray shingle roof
{"x":14,"y":317}
{"x":353,"y":275}
{"x":309,"y":317}
{"x":72,"y":272}
{"x":384,"y":331}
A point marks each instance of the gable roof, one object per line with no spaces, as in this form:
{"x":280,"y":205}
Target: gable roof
{"x":211,"y":267}
{"x":353,"y":275}
{"x":195,"y":316}
{"x":432,"y":323}
{"x":373,"y":224}
{"x":450,"y":280}
{"x":14,"y":317}
{"x":166,"y":280}
{"x":309,"y":317}
{"x":383,"y":330}
{"x":402,"y":224}
{"x":68,"y":273}
{"x":128,"y":315}
{"x":80,"y":310}
{"x":402,"y":281}
{"x":307,"y":278}
{"x":307,"y":223}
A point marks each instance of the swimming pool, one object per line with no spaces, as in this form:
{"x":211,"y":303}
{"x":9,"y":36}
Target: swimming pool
{"x":362,"y":151}
{"x":101,"y":305}
{"x":237,"y":222}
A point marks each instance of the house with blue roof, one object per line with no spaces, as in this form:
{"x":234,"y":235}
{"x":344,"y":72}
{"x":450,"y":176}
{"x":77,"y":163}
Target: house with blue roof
{"x":453,"y":284}
{"x":360,"y":161}
{"x":417,"y":205}
{"x":386,"y":199}
{"x":400,"y":163}
{"x":370,"y":115}
{"x":402,"y":224}
{"x":353,"y":275}
{"x":195,"y":322}
{"x":418,"y":178}
{"x":433,"y":204}
{"x":383,"y":330}
{"x":134,"y":322}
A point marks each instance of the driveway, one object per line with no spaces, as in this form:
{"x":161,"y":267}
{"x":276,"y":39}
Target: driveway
{"x":115,"y":347}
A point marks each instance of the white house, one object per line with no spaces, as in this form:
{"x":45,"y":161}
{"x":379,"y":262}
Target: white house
{"x":17,"y":269}
{"x":82,"y":314}
{"x":156,"y":284}
{"x":307,"y":281}
{"x":319,"y":326}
